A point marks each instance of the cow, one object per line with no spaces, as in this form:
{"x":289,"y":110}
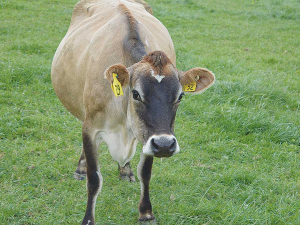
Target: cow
{"x":115,"y":70}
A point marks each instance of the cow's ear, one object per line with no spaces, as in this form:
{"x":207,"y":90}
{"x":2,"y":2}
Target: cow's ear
{"x":118,"y":72}
{"x":196,"y":80}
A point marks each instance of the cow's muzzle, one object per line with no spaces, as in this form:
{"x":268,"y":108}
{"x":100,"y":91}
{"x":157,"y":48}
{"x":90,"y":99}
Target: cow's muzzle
{"x":161,"y":146}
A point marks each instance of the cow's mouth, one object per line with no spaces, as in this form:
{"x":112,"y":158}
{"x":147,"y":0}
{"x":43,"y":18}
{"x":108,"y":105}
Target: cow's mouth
{"x":163,"y":155}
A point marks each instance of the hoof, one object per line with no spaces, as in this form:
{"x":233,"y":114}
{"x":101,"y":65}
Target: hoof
{"x":128,"y":178}
{"x":79,"y":175}
{"x":147,"y":222}
{"x":88,"y":222}
{"x":80,"y":172}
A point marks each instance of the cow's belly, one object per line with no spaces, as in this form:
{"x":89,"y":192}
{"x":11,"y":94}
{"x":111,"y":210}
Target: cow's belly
{"x":68,"y":74}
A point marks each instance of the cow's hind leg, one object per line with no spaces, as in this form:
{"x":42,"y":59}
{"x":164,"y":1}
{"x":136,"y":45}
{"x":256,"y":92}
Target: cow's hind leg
{"x":126,"y":172}
{"x":144,"y":174}
{"x":80,"y":172}
{"x":94,"y":177}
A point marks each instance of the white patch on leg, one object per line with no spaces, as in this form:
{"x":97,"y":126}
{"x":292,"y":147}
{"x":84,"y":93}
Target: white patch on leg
{"x":96,"y":195}
{"x":139,"y":173}
{"x":157,"y":77}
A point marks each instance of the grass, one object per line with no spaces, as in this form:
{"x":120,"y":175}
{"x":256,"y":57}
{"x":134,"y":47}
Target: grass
{"x":240,"y":141}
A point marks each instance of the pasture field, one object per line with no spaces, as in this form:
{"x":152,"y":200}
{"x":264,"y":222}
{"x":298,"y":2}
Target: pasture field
{"x":240,"y":140}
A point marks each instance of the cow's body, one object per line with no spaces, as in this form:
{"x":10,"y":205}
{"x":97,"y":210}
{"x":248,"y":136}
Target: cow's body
{"x":94,"y":42}
{"x":104,"y":33}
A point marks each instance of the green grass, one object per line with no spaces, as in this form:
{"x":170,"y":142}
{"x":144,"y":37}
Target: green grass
{"x":240,"y":140}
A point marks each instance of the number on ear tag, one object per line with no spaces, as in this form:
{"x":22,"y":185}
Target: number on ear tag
{"x":116,"y":86}
{"x":190,"y":87}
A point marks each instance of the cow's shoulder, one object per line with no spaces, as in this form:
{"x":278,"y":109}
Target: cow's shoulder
{"x":87,"y":8}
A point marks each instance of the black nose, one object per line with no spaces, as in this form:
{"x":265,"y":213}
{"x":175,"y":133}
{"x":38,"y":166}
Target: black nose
{"x":163,"y":147}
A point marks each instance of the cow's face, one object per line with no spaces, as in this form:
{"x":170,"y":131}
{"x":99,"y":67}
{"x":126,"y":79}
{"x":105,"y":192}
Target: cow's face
{"x":153,"y":103}
{"x":154,"y":92}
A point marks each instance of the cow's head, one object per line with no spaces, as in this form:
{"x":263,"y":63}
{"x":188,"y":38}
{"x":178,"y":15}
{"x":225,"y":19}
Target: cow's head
{"x":153,"y":89}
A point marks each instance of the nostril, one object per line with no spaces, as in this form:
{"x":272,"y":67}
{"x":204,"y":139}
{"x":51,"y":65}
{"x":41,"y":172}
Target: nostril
{"x":161,"y":146}
{"x":173,"y":145}
{"x":164,"y":144}
{"x":155,"y":146}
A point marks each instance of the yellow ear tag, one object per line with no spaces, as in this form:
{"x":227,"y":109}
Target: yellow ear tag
{"x":116,"y":86}
{"x":190,"y":87}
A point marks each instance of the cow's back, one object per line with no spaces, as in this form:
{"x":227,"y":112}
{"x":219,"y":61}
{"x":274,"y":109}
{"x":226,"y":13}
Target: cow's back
{"x":94,"y":41}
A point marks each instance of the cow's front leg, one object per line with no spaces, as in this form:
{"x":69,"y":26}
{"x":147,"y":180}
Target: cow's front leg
{"x":94,"y":177}
{"x":144,"y":175}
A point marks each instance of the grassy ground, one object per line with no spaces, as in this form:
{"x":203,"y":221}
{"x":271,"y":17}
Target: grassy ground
{"x":239,"y":159}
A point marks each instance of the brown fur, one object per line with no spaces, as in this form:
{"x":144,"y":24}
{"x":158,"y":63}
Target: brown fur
{"x":203,"y":78}
{"x":158,"y":60}
{"x":131,"y":20}
{"x":121,"y":71}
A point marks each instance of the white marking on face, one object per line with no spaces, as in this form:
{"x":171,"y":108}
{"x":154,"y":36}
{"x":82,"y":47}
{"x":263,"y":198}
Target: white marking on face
{"x":147,"y":150}
{"x":146,"y":42}
{"x":152,"y":72}
{"x":157,"y":77}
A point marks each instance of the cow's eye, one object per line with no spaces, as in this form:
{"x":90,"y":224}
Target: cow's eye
{"x":180,"y":97}
{"x":136,"y":95}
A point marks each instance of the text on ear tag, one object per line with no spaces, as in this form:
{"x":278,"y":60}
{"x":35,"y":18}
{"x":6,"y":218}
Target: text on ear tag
{"x":116,"y":86}
{"x":190,"y":87}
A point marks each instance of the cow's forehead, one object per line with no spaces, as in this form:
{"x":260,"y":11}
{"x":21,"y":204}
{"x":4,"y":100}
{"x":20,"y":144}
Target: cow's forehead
{"x":146,"y":75}
{"x":160,"y":63}
{"x":156,"y":73}
{"x":145,"y":70}
{"x":152,"y":86}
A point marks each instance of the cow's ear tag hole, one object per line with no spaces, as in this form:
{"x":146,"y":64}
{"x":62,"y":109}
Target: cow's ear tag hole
{"x":190,"y":87}
{"x":116,"y":86}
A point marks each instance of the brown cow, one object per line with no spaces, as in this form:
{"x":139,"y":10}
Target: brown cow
{"x":115,"y":70}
